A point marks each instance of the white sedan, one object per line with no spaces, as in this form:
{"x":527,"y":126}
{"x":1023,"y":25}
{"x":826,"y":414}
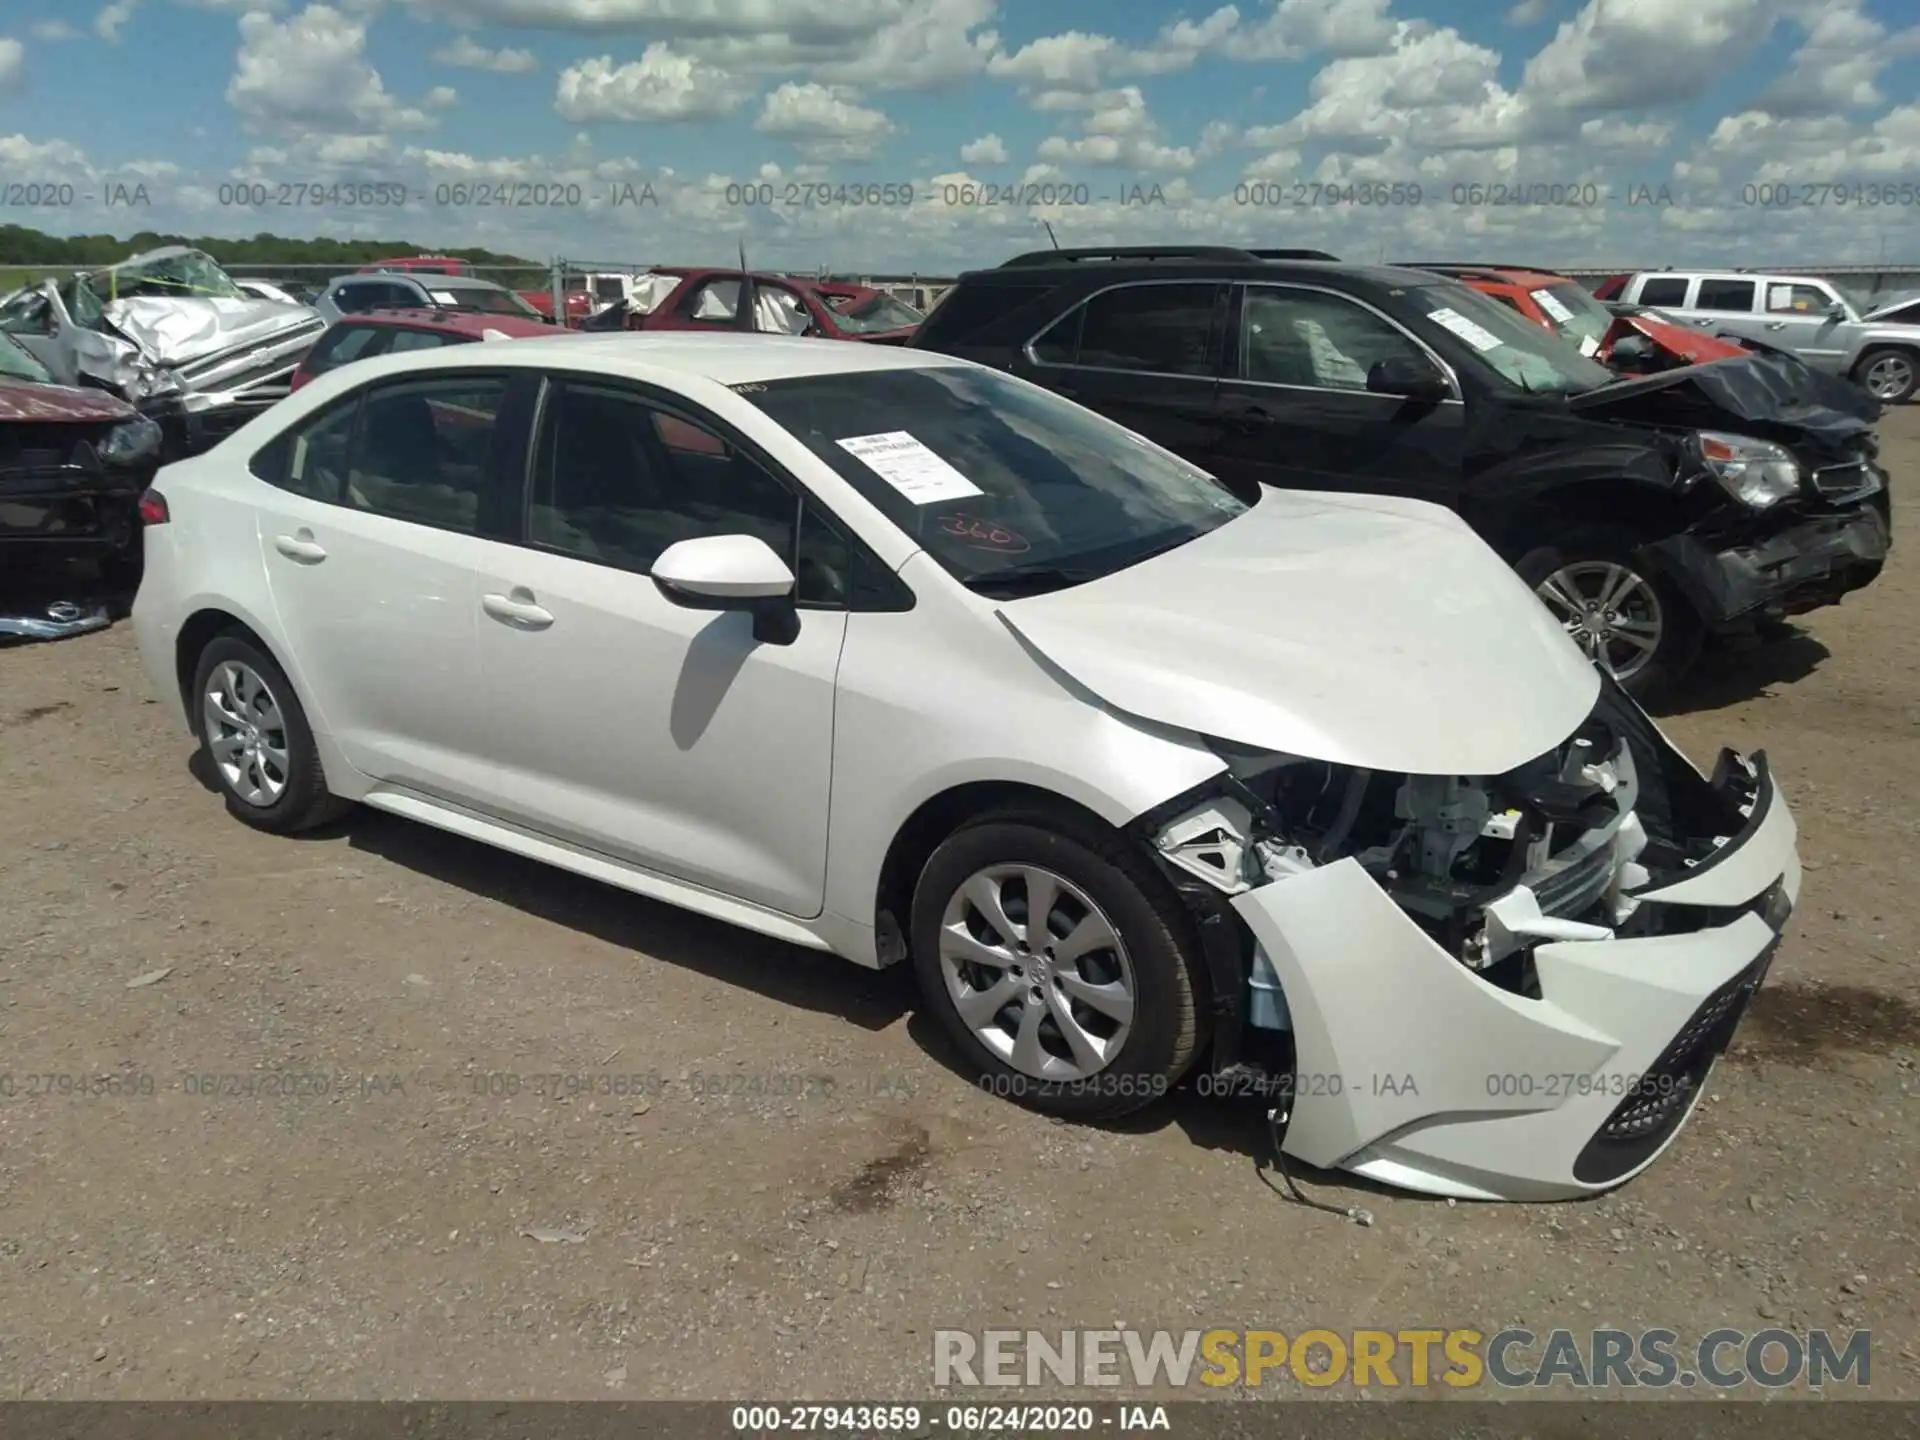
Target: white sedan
{"x":901,"y":658}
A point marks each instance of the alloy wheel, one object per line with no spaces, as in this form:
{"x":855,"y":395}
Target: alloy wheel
{"x":1889,"y":377}
{"x":1613,"y":613}
{"x":1038,"y":972}
{"x":246,"y":735}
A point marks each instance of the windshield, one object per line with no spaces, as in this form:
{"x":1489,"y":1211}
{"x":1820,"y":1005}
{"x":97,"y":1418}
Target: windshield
{"x":877,"y":313}
{"x":1524,"y":354}
{"x":1856,"y":302}
{"x":1012,"y":489}
{"x":1577,"y":317}
{"x":472,"y":297}
{"x":18,"y":363}
{"x":184,"y":272}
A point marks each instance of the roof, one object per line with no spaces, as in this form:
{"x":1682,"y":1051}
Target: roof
{"x":1512,"y":274}
{"x":733,"y":359}
{"x":473,"y":323}
{"x":426,"y":280}
{"x":1195,"y":262}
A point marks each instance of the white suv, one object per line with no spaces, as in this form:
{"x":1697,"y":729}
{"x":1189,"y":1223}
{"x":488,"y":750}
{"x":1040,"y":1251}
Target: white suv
{"x":893,"y":655}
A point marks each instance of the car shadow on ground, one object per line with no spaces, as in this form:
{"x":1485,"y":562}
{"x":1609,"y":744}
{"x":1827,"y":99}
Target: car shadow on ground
{"x":1731,"y":671}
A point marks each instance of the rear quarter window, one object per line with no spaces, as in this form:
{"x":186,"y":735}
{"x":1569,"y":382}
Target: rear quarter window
{"x":1663,"y":290}
{"x":343,"y":343}
{"x":979,"y":313}
{"x":1734,"y":296}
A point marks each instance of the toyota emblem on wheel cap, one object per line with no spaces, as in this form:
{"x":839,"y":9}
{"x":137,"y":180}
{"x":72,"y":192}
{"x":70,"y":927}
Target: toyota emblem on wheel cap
{"x":63,"y":610}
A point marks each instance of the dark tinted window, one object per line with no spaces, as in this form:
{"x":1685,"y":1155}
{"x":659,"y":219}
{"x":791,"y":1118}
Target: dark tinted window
{"x":405,"y":340}
{"x":1061,"y":344}
{"x":1664,"y":290}
{"x":1163,"y":328}
{"x":970,"y":309}
{"x":424,"y":451}
{"x":1009,"y":487}
{"x":312,"y":459}
{"x":343,"y":343}
{"x":1734,"y":295}
{"x":617,"y":480}
{"x":1504,"y":298}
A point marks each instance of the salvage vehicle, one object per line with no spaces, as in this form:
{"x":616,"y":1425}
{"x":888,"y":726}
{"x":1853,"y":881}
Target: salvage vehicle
{"x":722,"y":300}
{"x":170,"y":332}
{"x":356,"y":294}
{"x":1144,"y":780}
{"x":1822,"y":322}
{"x":1593,"y":327}
{"x":73,"y":464}
{"x":1648,"y":513}
{"x":397,"y":332}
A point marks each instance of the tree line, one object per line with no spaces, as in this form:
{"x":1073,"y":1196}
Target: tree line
{"x":22,"y":247}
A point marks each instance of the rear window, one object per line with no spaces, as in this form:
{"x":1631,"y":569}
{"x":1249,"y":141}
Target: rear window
{"x":1734,"y":295}
{"x":1664,"y":290}
{"x":343,"y":343}
{"x":970,"y":310}
{"x":405,"y":340}
{"x":490,"y":302}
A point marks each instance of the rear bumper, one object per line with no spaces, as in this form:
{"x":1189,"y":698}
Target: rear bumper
{"x":1414,"y":1071}
{"x":1802,"y":568}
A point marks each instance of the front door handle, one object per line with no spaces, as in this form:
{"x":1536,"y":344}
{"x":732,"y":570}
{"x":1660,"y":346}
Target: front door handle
{"x":300,"y":546}
{"x":517,"y":609}
{"x":1776,"y":324}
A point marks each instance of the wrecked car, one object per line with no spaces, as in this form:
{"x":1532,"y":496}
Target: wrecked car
{"x":1649,"y":514}
{"x":170,"y":332}
{"x":906,"y":660}
{"x":73,"y":463}
{"x":765,"y":304}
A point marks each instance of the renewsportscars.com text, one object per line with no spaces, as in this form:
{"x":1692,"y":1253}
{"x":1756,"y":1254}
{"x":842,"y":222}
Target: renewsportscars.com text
{"x":1462,"y":1358}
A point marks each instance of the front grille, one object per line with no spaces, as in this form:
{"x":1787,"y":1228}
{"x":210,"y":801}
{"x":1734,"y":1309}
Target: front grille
{"x":1660,"y":1100}
{"x":1845,"y":482}
{"x":1569,"y":891}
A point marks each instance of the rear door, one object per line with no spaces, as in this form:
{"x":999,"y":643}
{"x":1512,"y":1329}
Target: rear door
{"x":1728,"y":305}
{"x":1295,"y":411}
{"x":1145,"y":354}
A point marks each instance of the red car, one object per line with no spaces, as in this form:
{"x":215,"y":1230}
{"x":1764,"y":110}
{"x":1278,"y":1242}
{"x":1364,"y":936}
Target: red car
{"x":712,"y":299}
{"x":1576,"y":313}
{"x":390,"y":332}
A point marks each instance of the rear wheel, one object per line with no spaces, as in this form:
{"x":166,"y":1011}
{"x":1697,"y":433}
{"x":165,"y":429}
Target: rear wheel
{"x":1616,"y":607}
{"x":1890,"y":376}
{"x":1060,"y":962}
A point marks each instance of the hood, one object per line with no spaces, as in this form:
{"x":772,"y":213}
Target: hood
{"x":28,"y":400}
{"x":1680,"y":341}
{"x":1885,"y":305}
{"x":1363,"y":630}
{"x":177,"y":329}
{"x":1775,"y":397}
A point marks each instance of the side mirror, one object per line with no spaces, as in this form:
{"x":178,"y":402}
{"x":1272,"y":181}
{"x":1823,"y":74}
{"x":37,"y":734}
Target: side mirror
{"x":732,"y":572}
{"x":1835,"y":310}
{"x":1414,"y":379}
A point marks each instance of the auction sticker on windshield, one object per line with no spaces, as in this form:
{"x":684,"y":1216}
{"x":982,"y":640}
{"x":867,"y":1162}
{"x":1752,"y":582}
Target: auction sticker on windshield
{"x":1589,"y":346}
{"x":1476,"y":335}
{"x":910,"y":467}
{"x":1546,"y":300}
{"x":444,"y":297}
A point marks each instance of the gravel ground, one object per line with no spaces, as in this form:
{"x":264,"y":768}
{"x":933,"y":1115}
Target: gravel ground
{"x":756,"y":1174}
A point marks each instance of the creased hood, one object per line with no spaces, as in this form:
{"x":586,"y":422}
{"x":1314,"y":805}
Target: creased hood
{"x":176,"y":329}
{"x":1893,"y":304}
{"x":1680,"y":341}
{"x":1363,"y":630}
{"x":1776,"y":396}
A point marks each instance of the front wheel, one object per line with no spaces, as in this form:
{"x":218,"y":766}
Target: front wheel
{"x":1060,"y":962}
{"x":257,"y":741}
{"x":1890,"y":376}
{"x":1616,"y":607}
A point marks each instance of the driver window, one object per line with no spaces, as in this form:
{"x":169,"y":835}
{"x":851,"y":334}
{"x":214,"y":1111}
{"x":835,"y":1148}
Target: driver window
{"x":1301,"y":338}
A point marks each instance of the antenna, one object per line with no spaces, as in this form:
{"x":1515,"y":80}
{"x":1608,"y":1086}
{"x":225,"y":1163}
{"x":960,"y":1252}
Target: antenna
{"x":743,"y":257}
{"x":1050,"y":234}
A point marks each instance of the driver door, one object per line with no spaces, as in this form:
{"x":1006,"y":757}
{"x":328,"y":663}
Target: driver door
{"x":621,"y":721}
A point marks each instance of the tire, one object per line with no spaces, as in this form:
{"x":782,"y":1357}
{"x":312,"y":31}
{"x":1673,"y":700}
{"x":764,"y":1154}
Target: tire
{"x":1583,"y":560}
{"x":1156,"y":960}
{"x":235,"y":676}
{"x":1889,"y":375}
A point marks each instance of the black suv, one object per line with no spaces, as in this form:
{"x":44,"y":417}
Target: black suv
{"x":1648,"y":512}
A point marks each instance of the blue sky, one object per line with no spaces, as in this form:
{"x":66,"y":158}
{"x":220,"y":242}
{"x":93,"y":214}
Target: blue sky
{"x":659,"y":130}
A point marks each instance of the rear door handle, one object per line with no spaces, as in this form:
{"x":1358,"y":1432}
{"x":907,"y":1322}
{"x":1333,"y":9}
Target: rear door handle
{"x":1776,"y":324}
{"x":300,"y":546}
{"x":517,"y":609}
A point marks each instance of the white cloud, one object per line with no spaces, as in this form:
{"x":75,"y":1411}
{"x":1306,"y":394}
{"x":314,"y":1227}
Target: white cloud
{"x":466,"y":53}
{"x":1117,"y":131}
{"x":1298,"y":28}
{"x":53,"y":30}
{"x":310,"y":73}
{"x":987,"y":150}
{"x":440,"y":97}
{"x":13,"y":63}
{"x":1529,"y":12}
{"x":1621,"y":56}
{"x":112,"y":19}
{"x":661,"y":85}
{"x":1838,"y":65}
{"x":1078,"y":60}
{"x":825,"y":123}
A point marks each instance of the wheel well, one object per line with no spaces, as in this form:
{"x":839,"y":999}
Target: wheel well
{"x":1912,"y":352}
{"x":932,"y":823}
{"x":1629,"y":504}
{"x":200,"y":631}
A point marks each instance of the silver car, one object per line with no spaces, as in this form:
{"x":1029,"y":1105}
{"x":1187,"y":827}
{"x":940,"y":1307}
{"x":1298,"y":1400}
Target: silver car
{"x":398,"y":290}
{"x":1831,"y":328}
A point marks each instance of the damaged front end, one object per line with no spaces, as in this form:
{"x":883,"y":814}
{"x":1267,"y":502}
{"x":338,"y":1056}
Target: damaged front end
{"x":1492,"y":987}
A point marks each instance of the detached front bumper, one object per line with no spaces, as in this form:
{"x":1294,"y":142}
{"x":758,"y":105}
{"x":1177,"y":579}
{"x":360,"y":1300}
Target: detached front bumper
{"x":1414,"y":1071}
{"x":1799,"y":569}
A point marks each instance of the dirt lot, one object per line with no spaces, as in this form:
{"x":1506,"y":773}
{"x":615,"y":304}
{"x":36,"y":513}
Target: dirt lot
{"x":744,"y":1230}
